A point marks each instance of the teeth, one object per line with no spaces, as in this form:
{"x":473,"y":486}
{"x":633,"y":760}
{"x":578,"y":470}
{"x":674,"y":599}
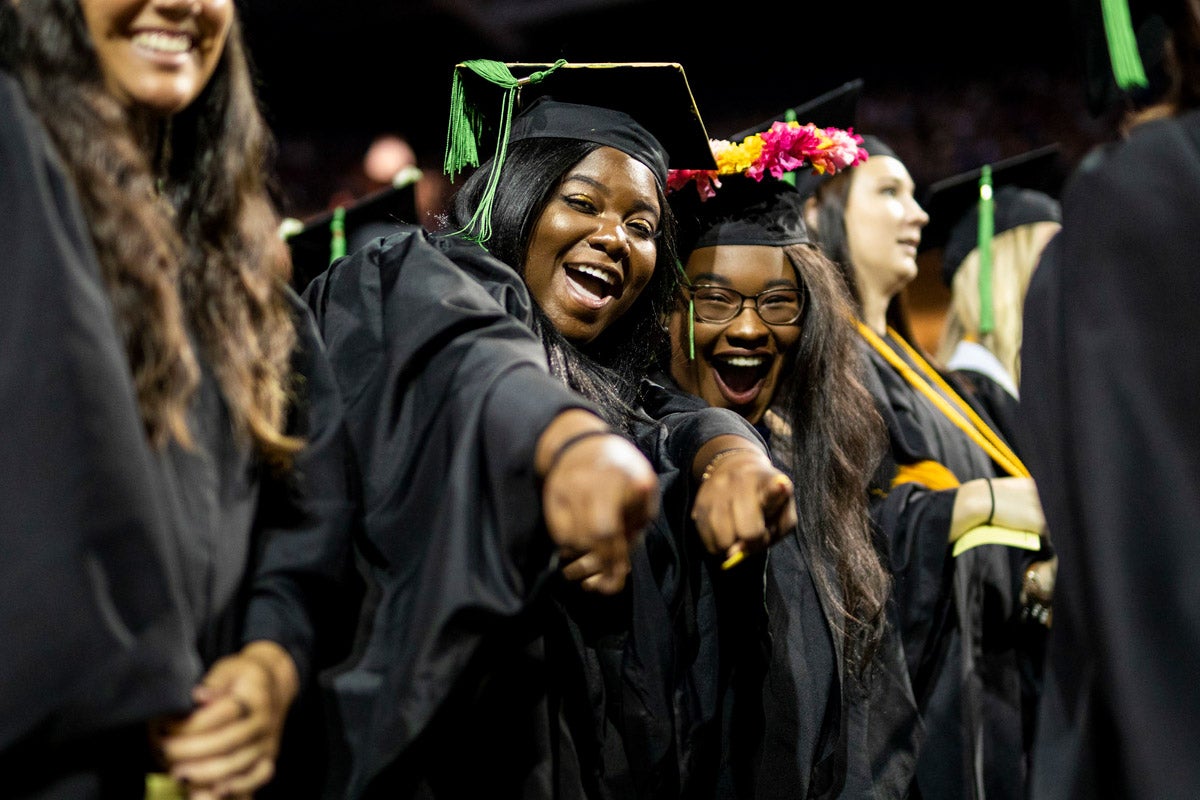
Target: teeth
{"x":598,"y":273}
{"x":163,"y":42}
{"x":745,"y":361}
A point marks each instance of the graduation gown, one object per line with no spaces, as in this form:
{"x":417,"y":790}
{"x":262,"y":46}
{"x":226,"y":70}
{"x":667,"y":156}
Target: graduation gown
{"x":796,"y":729}
{"x":966,"y":648}
{"x":566,"y":694}
{"x":268,"y":554}
{"x":447,"y":391}
{"x":702,"y":622}
{"x":1110,"y":387}
{"x":92,"y":626}
{"x":129,"y":571}
{"x":982,"y":374}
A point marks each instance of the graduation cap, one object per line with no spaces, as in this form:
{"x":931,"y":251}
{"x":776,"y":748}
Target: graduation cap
{"x":968,"y":209}
{"x":1122,"y":47}
{"x":836,"y":108}
{"x":645,"y":109}
{"x":743,"y":212}
{"x":315,"y":244}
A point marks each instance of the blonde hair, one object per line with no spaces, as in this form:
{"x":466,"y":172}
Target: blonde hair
{"x":1015,"y":254}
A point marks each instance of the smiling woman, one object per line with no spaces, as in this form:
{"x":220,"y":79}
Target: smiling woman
{"x":184,"y":497}
{"x":762,"y":327}
{"x":580,"y":694}
{"x":586,"y":286}
{"x":158,"y":55}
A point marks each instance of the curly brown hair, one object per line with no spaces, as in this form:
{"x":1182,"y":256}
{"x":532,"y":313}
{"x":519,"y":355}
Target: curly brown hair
{"x":182,"y":222}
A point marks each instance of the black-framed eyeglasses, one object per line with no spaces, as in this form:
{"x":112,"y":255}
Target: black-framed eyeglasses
{"x":719,"y":304}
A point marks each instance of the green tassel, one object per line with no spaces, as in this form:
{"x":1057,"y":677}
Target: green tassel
{"x":987,"y":321}
{"x":691,"y":329}
{"x":337,"y":234}
{"x":683,"y":279}
{"x":466,"y":128}
{"x":1122,"y":45}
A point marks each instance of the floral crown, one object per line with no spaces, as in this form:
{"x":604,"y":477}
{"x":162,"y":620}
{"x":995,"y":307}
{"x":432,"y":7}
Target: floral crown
{"x":782,"y":148}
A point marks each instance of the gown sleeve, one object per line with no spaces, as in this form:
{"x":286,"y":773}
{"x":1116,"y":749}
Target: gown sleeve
{"x":446,"y":394}
{"x":306,"y":590}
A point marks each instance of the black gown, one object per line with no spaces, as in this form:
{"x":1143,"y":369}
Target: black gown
{"x":496,"y":675}
{"x":987,"y":381}
{"x":124,"y":577}
{"x":269,"y":555}
{"x":92,"y":627}
{"x":970,"y":657}
{"x":814,"y":736}
{"x":1110,"y":388}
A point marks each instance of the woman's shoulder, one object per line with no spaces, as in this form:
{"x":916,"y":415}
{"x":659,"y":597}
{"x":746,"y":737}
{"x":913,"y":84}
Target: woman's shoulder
{"x":499,"y":279}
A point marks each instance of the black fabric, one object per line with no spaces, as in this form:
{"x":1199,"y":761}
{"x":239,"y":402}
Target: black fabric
{"x":797,"y":729}
{"x":91,"y":622}
{"x":1109,"y":395}
{"x":966,"y":648}
{"x":808,"y":182}
{"x":1012,"y":207}
{"x":1025,"y":191}
{"x":643,"y":108}
{"x":377,"y":214}
{"x":1149,"y":20}
{"x":447,"y":389}
{"x":836,"y":108}
{"x":1003,"y":410}
{"x":478,"y":647}
{"x":128,"y":571}
{"x":714,"y":674}
{"x":548,"y":118}
{"x":743,"y":212}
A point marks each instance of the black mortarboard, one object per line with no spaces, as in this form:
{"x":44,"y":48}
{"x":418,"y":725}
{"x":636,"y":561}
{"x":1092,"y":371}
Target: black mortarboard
{"x":742,"y":212}
{"x":1121,"y":43}
{"x":1023,"y":191}
{"x":645,"y":109}
{"x":837,"y":108}
{"x":343,"y":230}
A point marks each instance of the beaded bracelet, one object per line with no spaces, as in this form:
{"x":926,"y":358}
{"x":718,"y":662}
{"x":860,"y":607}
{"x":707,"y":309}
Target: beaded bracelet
{"x":720,"y":454}
{"x":570,"y":442}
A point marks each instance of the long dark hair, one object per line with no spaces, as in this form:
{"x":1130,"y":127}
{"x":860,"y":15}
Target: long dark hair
{"x":608,"y":370}
{"x":182,"y":222}
{"x":837,"y":441}
{"x":830,"y":234}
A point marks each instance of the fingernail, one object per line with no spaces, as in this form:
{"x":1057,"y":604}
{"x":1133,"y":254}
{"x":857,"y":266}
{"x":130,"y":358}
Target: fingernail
{"x":734,"y":560}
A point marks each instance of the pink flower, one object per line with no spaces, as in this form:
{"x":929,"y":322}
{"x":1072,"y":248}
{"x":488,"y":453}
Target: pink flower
{"x":782,"y":148}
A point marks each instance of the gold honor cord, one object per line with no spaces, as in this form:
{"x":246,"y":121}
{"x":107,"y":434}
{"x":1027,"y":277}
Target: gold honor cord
{"x":962,"y":416}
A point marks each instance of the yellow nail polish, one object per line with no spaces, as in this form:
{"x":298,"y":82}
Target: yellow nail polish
{"x":734,"y":560}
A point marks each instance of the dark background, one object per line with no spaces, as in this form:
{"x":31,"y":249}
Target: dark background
{"x":949,"y":85}
{"x":951,"y":90}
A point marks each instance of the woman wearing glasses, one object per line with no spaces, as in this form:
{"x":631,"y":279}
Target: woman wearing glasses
{"x":762,"y":327}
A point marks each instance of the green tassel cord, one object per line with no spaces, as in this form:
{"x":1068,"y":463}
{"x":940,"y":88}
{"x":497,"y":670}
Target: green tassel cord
{"x":466,"y":128}
{"x":987,"y":222}
{"x":1122,"y":45}
{"x":683,"y":280}
{"x":337,"y":234}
